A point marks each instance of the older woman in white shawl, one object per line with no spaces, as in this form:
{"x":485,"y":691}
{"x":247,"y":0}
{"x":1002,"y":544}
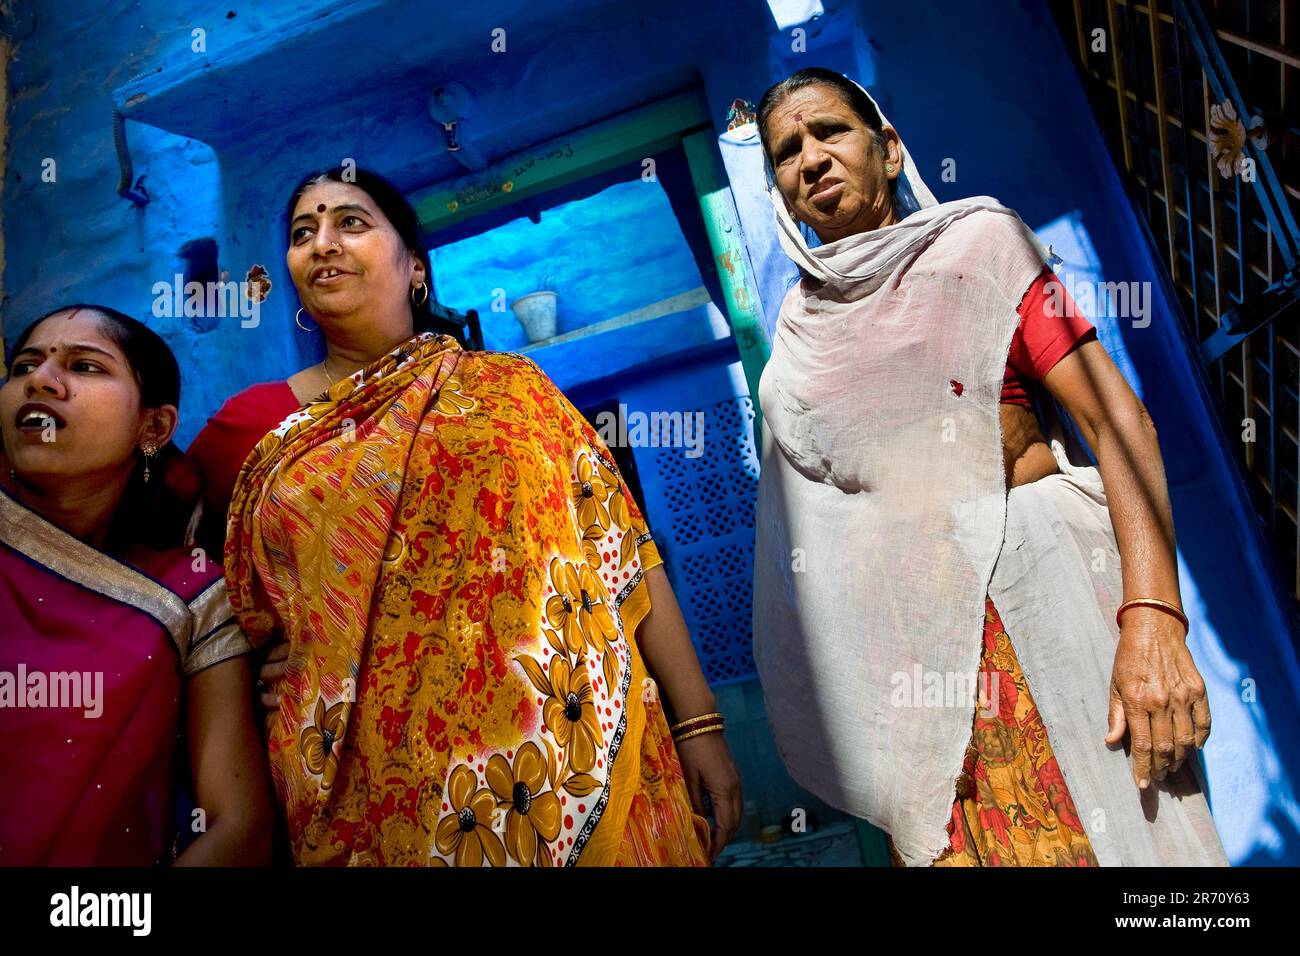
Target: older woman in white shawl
{"x":914,"y":531}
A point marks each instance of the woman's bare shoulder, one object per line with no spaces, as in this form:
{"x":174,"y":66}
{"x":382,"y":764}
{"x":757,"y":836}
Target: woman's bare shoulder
{"x":306,"y":384}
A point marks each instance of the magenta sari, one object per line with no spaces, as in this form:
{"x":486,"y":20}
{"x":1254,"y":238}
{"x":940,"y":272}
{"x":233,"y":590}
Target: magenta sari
{"x":93,"y":658}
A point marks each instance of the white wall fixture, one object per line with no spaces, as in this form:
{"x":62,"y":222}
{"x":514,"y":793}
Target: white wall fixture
{"x":789,"y":13}
{"x":450,"y":105}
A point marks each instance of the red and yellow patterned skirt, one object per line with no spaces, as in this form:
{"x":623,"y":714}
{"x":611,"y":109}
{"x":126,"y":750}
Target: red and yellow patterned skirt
{"x":662,"y":829}
{"x":1012,"y":806}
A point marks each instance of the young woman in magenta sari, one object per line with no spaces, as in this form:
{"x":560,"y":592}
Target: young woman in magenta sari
{"x":483,"y":660}
{"x":114,"y":637}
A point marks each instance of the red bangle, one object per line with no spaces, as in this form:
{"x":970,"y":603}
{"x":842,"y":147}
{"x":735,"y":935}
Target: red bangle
{"x":694,"y":721}
{"x":714,"y":722}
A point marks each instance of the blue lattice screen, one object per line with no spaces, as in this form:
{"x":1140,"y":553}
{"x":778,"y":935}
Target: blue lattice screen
{"x":701,"y":511}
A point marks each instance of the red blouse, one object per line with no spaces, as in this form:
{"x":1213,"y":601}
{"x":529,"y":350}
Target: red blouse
{"x":220,"y":449}
{"x":1043,"y":337}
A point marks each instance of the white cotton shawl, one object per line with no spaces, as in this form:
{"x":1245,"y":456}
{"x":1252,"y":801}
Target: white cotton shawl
{"x":882,"y":514}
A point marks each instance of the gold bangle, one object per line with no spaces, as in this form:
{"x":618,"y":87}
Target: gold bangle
{"x":715,"y":724}
{"x":696,"y":733}
{"x":1165,"y":606}
{"x":692,"y":721}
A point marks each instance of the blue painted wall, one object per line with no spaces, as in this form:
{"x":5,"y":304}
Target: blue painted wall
{"x":73,"y":238}
{"x":605,"y":255}
{"x":222,"y":134}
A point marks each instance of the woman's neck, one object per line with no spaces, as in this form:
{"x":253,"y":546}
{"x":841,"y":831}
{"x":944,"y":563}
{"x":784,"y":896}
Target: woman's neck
{"x":82,"y":506}
{"x":888,"y":218}
{"x":346,"y":358}
{"x":346,"y":350}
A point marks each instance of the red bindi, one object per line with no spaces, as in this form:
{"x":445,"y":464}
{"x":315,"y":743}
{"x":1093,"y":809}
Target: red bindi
{"x":320,"y":208}
{"x":798,"y":117}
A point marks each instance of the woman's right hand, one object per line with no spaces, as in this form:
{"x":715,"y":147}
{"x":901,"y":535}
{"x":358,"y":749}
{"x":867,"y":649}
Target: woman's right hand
{"x":268,"y":678}
{"x":710,"y":772}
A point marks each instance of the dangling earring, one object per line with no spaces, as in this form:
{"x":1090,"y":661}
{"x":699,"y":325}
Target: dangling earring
{"x":297,"y":320}
{"x":423,"y":287}
{"x":149,"y":449}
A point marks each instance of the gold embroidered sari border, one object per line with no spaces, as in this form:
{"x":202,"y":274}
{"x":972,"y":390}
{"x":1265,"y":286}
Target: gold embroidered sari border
{"x":53,"y":548}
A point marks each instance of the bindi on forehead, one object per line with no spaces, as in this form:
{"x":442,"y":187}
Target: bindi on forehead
{"x":320,"y":208}
{"x":798,"y":117}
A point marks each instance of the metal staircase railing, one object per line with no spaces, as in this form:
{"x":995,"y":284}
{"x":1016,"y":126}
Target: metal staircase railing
{"x":1157,"y":71}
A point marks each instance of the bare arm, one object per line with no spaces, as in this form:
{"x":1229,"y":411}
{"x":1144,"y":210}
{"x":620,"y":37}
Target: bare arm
{"x":229,"y":765}
{"x":665,"y":643}
{"x":1122,"y":435}
{"x":1157,"y":693}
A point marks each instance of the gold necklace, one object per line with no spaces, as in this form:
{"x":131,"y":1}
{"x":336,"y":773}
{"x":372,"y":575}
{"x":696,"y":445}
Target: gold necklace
{"x":325,"y":370}
{"x":329,"y":376}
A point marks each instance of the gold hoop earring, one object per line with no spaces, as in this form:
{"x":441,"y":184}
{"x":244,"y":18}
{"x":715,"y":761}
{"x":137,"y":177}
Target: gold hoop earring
{"x":424,"y":287}
{"x":150,"y":449}
{"x":297,"y":320}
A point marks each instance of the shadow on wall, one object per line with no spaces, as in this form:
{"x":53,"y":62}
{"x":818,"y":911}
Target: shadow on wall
{"x":1249,"y":758}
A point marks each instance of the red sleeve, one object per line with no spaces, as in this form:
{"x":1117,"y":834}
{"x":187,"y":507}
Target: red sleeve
{"x":220,"y":448}
{"x":1051,"y":326}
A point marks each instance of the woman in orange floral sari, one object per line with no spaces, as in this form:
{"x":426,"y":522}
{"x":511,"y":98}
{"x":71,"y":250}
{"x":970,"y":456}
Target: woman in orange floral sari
{"x":465,"y":586}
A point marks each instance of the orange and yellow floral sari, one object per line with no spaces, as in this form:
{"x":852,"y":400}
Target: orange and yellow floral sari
{"x":459,"y":570}
{"x":1012,"y":806}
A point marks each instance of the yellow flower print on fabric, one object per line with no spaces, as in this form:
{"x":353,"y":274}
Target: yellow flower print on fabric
{"x":317,"y":741}
{"x":467,"y":830}
{"x":568,"y":708}
{"x":533,"y":817}
{"x":589,"y":495}
{"x":451,"y":400}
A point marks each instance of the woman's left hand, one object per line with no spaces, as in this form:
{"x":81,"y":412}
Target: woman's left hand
{"x":1156,"y":694}
{"x":709,"y":769}
{"x":268,"y":678}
